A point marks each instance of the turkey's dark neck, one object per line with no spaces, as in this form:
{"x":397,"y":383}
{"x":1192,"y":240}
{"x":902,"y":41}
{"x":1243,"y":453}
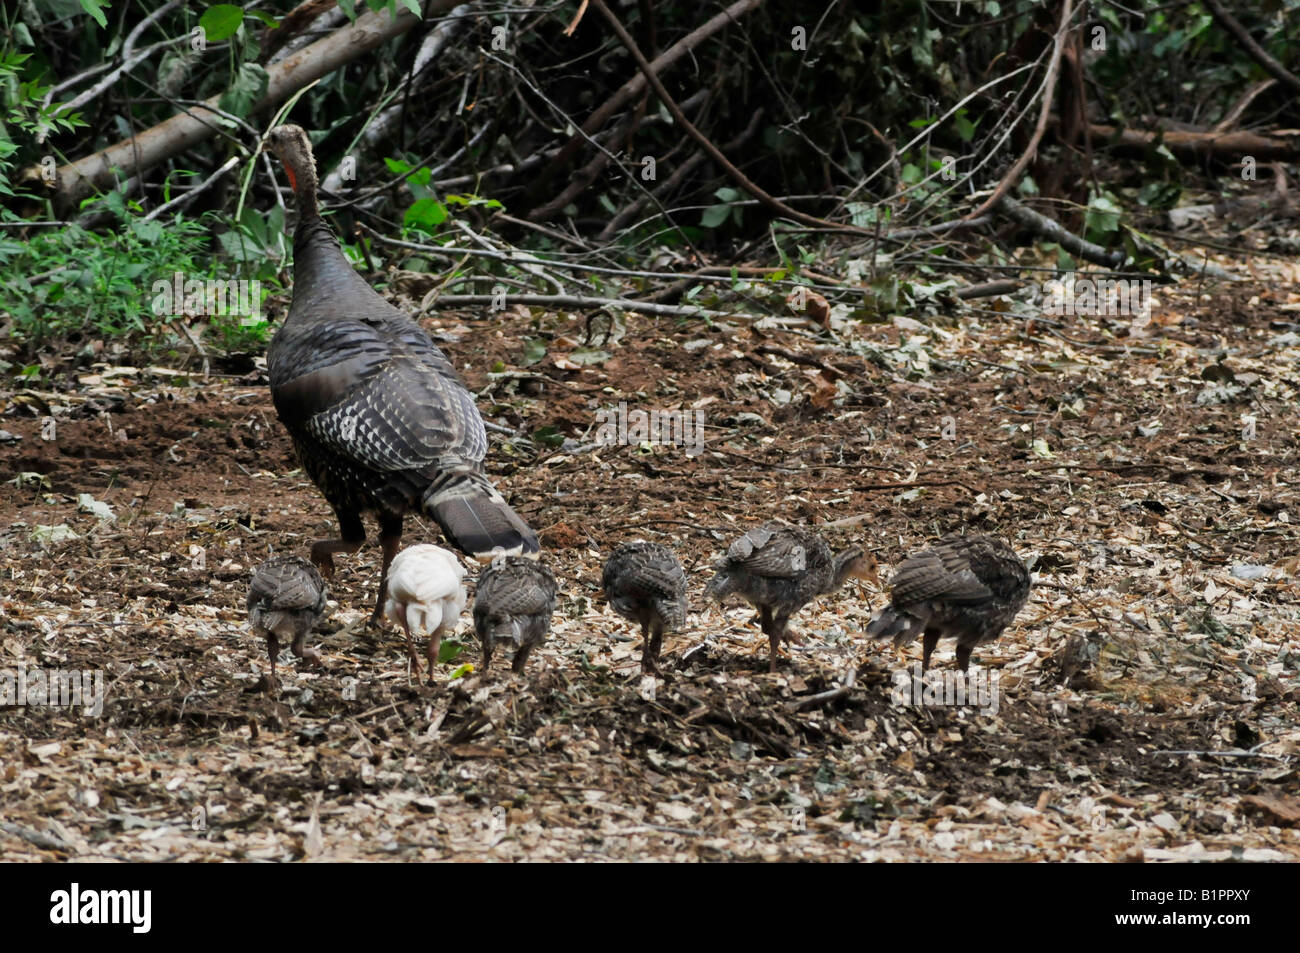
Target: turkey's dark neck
{"x":842,"y":562}
{"x":321,"y":272}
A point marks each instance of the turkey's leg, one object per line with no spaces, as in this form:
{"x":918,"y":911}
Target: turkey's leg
{"x":309,"y":656}
{"x":390,"y":538}
{"x":272,"y":650}
{"x":782,"y":622}
{"x":410,"y":645}
{"x":351,"y":535}
{"x":927,"y":648}
{"x":963,"y":655}
{"x":773,"y":635}
{"x":652,"y":633}
{"x":521,"y":659}
{"x":487,"y":653}
{"x":780,"y":633}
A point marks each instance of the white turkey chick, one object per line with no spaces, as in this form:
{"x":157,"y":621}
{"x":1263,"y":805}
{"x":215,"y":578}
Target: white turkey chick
{"x":425,"y":596}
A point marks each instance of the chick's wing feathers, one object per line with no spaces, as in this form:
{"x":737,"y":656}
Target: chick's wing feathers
{"x":518,"y":586}
{"x":928,"y":575}
{"x":287,"y":584}
{"x":643,"y":570}
{"x":770,"y":550}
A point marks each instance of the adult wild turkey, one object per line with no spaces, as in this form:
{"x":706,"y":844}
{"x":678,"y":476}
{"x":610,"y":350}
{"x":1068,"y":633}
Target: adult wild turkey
{"x":780,"y":569}
{"x":644,"y":582}
{"x":513,"y":603}
{"x":286,"y":598}
{"x":970,"y":587}
{"x":378,"y":416}
{"x":425,"y":596}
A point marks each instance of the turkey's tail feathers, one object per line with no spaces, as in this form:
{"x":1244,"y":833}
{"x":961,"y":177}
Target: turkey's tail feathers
{"x":890,"y":623}
{"x":476,"y":518}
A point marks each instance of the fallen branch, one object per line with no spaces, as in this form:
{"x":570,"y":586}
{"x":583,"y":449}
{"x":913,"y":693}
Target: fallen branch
{"x":1054,"y":231}
{"x":140,"y":153}
{"x":1260,"y":55}
{"x":1203,"y":145}
{"x":1003,"y":286}
{"x":847,"y":682}
{"x":583,"y":301}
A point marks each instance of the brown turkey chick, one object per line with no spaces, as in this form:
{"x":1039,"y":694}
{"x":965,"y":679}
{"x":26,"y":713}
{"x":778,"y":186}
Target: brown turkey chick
{"x":378,"y":416}
{"x":969,"y":587}
{"x":780,"y":569}
{"x":285,"y":600}
{"x":644,"y":582}
{"x":513,"y":603}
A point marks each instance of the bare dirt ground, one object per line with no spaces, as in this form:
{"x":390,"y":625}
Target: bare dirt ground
{"x":1144,"y":472}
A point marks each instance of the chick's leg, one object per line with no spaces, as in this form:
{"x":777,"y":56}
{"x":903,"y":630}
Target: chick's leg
{"x":521,"y":659}
{"x":930,"y":640}
{"x":410,"y":642}
{"x":652,"y":634}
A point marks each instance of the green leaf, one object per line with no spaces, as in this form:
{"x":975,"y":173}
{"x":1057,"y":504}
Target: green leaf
{"x":249,"y":87}
{"x":425,"y":215}
{"x":96,"y":9}
{"x":715,"y":215}
{"x":588,"y":355}
{"x":1102,"y":218}
{"x":534,"y":351}
{"x":219,"y":22}
{"x":270,"y":21}
{"x":412,"y":5}
{"x":548,"y":437}
{"x":964,"y":128}
{"x":448,"y":651}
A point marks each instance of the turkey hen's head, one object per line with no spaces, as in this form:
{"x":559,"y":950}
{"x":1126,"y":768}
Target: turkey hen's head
{"x":854,"y":563}
{"x":291,"y":146}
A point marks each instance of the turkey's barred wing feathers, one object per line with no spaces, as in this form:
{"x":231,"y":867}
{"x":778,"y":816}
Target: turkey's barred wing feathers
{"x":933,"y":574}
{"x":778,"y":552}
{"x":378,"y":393}
{"x":287,"y":583}
{"x":643,"y":575}
{"x":519,"y":586}
{"x":646,"y":570}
